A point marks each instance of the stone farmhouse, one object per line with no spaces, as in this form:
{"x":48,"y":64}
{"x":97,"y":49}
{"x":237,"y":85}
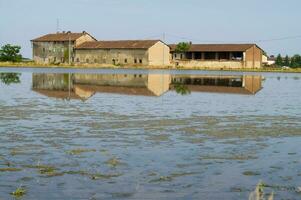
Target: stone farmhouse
{"x":83,"y":48}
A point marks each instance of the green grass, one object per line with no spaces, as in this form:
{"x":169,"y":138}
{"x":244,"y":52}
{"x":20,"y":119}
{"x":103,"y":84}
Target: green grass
{"x":107,"y":66}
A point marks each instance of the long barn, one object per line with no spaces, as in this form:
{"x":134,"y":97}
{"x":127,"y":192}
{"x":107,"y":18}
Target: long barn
{"x":219,"y":56}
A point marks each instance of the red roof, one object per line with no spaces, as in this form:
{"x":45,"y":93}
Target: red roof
{"x":59,"y":37}
{"x":118,"y":44}
{"x":216,"y":47}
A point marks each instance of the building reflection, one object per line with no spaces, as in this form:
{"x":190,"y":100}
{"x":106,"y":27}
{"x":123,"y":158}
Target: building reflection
{"x":84,"y":86}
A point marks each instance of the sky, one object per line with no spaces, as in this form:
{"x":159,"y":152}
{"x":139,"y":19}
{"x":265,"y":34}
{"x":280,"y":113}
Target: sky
{"x":272,"y":24}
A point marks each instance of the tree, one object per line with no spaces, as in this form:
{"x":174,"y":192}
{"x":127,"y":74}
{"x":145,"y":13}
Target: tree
{"x":296,"y":61}
{"x":9,"y":78}
{"x":181,"y":89}
{"x":10,"y":53}
{"x":279,"y":61}
{"x":182,"y":47}
{"x":286,"y":61}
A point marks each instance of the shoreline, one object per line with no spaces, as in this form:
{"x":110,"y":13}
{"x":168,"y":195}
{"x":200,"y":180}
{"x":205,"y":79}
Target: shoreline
{"x":66,"y":66}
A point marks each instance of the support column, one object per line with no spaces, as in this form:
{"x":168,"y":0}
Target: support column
{"x":216,"y":56}
{"x":203,"y":56}
{"x":230,"y":55}
{"x":192,"y":56}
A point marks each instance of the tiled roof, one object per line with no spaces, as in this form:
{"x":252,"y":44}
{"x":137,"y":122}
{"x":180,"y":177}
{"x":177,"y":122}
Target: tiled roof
{"x":59,"y":37}
{"x":118,"y":44}
{"x":215,"y":47}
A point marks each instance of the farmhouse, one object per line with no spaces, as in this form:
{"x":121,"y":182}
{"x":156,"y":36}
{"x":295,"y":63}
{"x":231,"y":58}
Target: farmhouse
{"x":54,"y":48}
{"x":218,"y":56}
{"x":82,"y":48}
{"x":124,"y":52}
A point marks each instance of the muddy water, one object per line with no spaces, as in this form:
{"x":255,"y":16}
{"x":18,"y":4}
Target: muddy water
{"x":148,"y":134}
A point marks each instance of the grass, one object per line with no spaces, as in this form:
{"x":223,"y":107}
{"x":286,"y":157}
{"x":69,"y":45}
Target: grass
{"x":101,"y":66}
{"x":80,"y":151}
{"x":19,"y":192}
{"x":251,"y":173}
{"x":10,"y":169}
{"x":47,"y":170}
{"x":113,"y":162}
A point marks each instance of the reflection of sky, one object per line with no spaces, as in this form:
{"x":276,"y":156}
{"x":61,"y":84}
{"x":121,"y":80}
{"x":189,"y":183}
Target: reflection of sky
{"x":278,"y":97}
{"x":208,"y":138}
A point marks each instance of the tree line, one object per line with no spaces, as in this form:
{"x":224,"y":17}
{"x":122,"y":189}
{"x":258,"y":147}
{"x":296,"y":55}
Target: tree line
{"x":10,"y":53}
{"x":293,"y":62}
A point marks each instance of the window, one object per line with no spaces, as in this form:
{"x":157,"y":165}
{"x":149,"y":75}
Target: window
{"x":72,"y":59}
{"x":77,"y":59}
{"x":62,"y":59}
{"x":113,"y":61}
{"x":140,"y":61}
{"x":175,"y":55}
{"x":125,"y":60}
{"x":140,"y":75}
{"x":44,"y":50}
{"x":135,"y":75}
{"x":87,"y":60}
{"x":95,"y":60}
{"x":181,"y":56}
{"x":135,"y":60}
{"x":54,"y":59}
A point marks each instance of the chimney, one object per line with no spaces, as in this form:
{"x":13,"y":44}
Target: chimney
{"x":64,"y":31}
{"x":69,"y":32}
{"x":84,"y":32}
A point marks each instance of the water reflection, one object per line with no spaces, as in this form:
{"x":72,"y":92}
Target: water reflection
{"x":83,"y":86}
{"x":10,"y":78}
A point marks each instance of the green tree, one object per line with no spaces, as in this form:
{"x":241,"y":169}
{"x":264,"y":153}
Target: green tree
{"x":10,"y":53}
{"x":182,"y":47}
{"x":9,"y":78}
{"x":286,"y":61}
{"x":181,"y":89}
{"x":296,"y":61}
{"x":279,"y":61}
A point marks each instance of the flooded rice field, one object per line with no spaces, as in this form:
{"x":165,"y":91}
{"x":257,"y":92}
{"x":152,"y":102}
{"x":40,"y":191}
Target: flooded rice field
{"x":137,"y":134}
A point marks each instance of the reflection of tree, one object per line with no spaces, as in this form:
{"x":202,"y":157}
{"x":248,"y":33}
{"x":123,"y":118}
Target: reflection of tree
{"x":181,"y":89}
{"x":9,"y":78}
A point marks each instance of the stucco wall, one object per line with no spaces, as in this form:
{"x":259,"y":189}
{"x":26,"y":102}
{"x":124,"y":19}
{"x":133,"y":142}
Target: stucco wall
{"x":50,"y":81}
{"x":125,"y":80}
{"x":49,"y":52}
{"x":158,"y":83}
{"x":54,"y":52}
{"x":84,"y":38}
{"x":106,"y":56}
{"x":253,"y":57}
{"x":209,"y":64}
{"x":159,"y":54}
{"x":252,"y":83}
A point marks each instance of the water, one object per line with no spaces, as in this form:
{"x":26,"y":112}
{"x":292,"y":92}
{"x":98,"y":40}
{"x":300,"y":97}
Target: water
{"x":138,"y":134}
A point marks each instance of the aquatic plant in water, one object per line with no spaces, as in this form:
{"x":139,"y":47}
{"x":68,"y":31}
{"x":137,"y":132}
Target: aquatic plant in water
{"x":258,"y":193}
{"x":113,"y":162}
{"x":80,"y":151}
{"x":19,"y":192}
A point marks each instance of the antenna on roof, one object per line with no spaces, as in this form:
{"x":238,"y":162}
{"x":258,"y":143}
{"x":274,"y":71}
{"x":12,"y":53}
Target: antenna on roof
{"x":58,"y":25}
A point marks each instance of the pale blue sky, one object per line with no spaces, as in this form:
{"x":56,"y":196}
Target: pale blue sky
{"x":182,"y":20}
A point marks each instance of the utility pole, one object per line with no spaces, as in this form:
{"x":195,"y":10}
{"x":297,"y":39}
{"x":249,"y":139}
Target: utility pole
{"x":57,"y":25}
{"x":69,"y":59}
{"x":163,"y":49}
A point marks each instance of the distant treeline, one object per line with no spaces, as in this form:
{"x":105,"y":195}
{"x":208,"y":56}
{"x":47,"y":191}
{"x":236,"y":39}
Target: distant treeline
{"x":293,"y":62}
{"x":10,"y":53}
